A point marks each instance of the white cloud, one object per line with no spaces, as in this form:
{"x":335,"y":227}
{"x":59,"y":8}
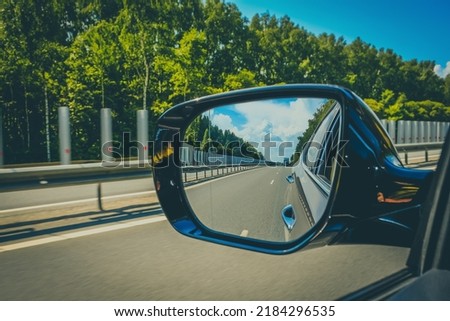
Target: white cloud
{"x":441,"y":71}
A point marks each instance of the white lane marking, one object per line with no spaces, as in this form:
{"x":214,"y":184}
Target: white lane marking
{"x":67,"y":236}
{"x":271,"y":183}
{"x":36,"y":207}
{"x":244,"y":233}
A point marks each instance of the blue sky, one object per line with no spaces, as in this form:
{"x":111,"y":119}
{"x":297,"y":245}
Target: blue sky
{"x":414,"y":29}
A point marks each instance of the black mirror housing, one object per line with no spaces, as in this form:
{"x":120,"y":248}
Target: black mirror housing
{"x":368,"y":183}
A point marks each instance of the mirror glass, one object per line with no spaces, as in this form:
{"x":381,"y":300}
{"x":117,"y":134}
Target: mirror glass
{"x":262,"y":169}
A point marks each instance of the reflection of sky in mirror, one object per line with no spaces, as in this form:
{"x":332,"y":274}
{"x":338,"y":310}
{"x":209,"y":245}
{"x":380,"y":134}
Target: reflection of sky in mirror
{"x":284,"y":119}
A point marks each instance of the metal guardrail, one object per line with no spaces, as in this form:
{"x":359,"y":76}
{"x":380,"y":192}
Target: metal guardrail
{"x":425,"y":147}
{"x":28,"y":178}
{"x":64,"y":175}
{"x":14,"y":179}
{"x":419,"y":146}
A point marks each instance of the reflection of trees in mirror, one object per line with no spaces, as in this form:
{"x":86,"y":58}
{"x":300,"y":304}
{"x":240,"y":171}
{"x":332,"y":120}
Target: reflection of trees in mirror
{"x":313,"y":124}
{"x":205,"y":136}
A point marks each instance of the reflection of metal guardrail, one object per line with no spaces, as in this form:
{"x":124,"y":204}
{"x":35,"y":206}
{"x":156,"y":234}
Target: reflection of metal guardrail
{"x":193,"y":174}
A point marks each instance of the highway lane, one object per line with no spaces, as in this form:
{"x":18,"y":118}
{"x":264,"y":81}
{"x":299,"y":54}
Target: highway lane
{"x":55,"y":195}
{"x":153,"y":262}
{"x":138,"y":260}
{"x":248,"y":204}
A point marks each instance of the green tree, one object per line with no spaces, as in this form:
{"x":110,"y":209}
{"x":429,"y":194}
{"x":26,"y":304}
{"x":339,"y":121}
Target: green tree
{"x":129,"y":55}
{"x":362,"y":65}
{"x":226,"y":41}
{"x":447,"y":89}
{"x":188,"y":78}
{"x":243,"y":79}
{"x":280,"y":49}
{"x":33,"y":39}
{"x":325,"y":64}
{"x":389,"y":76}
{"x":420,"y":82}
{"x":376,"y":106}
{"x":139,"y":44}
{"x":93,"y":81}
{"x":426,"y":110}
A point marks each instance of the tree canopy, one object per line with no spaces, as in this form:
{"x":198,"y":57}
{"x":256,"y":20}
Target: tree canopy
{"x":130,"y":55}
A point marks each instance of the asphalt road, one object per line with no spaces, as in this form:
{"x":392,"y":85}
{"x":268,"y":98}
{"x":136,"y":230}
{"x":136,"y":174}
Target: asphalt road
{"x":152,"y":262}
{"x":45,"y":196}
{"x":247,"y":204}
{"x":55,"y":195}
{"x":130,"y":252}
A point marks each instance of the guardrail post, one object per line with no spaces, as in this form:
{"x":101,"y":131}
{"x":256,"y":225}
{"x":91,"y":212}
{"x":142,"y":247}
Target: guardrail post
{"x":421,"y":132}
{"x":401,"y":132}
{"x":433,"y":132}
{"x":64,"y":135}
{"x":414,"y":132}
{"x":406,"y":157}
{"x":391,"y":130}
{"x":106,"y":135}
{"x":408,"y":132}
{"x":427,"y":132}
{"x":443,"y":131}
{"x":99,"y":197}
{"x":426,"y":155}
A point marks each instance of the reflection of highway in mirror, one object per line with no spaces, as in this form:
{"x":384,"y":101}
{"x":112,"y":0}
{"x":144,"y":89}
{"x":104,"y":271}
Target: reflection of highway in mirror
{"x":248,"y":204}
{"x":270,"y":200}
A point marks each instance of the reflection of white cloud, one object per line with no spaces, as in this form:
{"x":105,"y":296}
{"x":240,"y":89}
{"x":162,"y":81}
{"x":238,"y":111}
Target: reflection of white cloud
{"x":286,"y":121}
{"x":441,"y":71}
{"x":283,"y":120}
{"x":224,"y":122}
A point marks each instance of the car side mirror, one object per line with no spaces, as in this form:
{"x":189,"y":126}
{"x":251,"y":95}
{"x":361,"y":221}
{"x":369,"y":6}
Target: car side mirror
{"x":254,"y":168}
{"x":235,"y":159}
{"x":274,"y":169}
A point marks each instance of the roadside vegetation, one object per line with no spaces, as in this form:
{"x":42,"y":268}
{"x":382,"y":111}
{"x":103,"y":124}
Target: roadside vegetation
{"x":130,"y":55}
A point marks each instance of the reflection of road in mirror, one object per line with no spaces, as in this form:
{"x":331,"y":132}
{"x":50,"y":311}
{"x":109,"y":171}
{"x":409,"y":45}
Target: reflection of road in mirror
{"x":248,"y":204}
{"x":276,"y":198}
